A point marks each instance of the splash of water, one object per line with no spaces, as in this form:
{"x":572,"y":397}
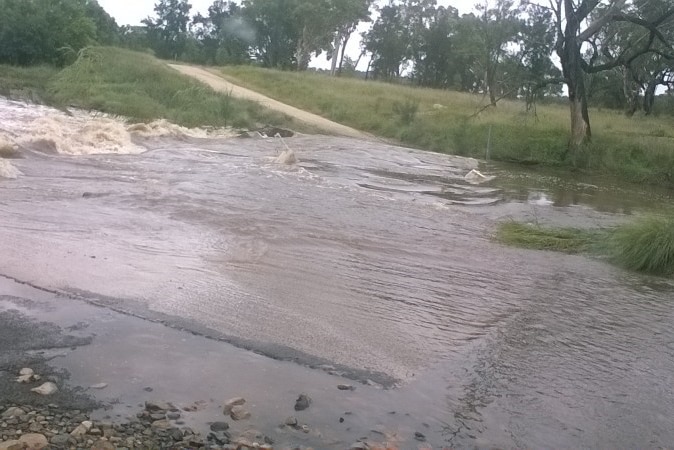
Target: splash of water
{"x":164,"y":128}
{"x":7,"y":170}
{"x":79,"y":137}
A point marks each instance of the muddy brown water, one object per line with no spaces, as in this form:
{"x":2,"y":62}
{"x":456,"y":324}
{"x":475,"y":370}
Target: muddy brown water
{"x":371,"y":259}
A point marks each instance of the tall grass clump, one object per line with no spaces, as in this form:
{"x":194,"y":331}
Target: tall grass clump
{"x":646,"y":245}
{"x":29,"y":83}
{"x":138,"y":86}
{"x":567,"y":240}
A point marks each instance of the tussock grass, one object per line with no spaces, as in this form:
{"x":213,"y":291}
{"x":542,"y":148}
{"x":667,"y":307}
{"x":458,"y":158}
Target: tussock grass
{"x":567,"y":240}
{"x":646,"y":246}
{"x":639,"y":149}
{"x":138,"y":86}
{"x":28,"y":83}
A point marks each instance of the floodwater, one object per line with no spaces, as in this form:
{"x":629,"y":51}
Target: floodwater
{"x":372,"y":259}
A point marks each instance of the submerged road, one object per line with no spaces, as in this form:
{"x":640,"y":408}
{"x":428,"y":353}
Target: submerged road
{"x":364,"y":259}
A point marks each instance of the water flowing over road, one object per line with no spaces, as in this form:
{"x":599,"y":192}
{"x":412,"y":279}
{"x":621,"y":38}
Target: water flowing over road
{"x":373,"y":259}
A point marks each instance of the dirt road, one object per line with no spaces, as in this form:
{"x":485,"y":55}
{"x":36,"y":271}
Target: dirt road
{"x":220,"y":84}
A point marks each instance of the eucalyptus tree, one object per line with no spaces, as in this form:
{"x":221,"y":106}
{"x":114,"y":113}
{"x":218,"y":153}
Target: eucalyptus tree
{"x":224,"y":35}
{"x":167,"y":31}
{"x":388,"y":41}
{"x":580,"y":26}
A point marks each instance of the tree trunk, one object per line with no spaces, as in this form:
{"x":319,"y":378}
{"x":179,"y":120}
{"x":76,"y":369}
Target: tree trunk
{"x":575,"y":81}
{"x":335,"y":53}
{"x":303,"y":51}
{"x":491,"y":81}
{"x":367,"y":71}
{"x":649,"y":96}
{"x":631,"y":92}
{"x":341,"y":56}
{"x":579,"y":127}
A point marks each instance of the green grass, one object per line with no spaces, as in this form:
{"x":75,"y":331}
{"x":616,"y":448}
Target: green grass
{"x":138,"y":86}
{"x":26,"y":82}
{"x":567,"y":240}
{"x":638,"y":149}
{"x":646,"y":245}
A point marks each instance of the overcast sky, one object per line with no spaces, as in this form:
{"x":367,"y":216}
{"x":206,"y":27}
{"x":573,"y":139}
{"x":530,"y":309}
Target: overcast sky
{"x":131,"y":12}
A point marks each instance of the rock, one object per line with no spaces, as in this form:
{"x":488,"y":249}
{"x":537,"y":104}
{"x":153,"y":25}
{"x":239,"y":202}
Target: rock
{"x":305,"y":428}
{"x":47,"y":388}
{"x":359,"y":446}
{"x":99,"y":386}
{"x":13,"y":412}
{"x":96,"y":432}
{"x":231,"y":403}
{"x":61,"y":440}
{"x":175,"y":434}
{"x":82,"y":429}
{"x":302,"y":402}
{"x":161,"y":424}
{"x":419,"y":436}
{"x":219,"y":426}
{"x":346,"y":387}
{"x":243,"y":442}
{"x":219,"y":437}
{"x":26,"y":371}
{"x":173,"y":415}
{"x":157,"y":406}
{"x":103,"y":445}
{"x":158,"y":416}
{"x":34,"y":441}
{"x":291,"y":421}
{"x":196,"y":441}
{"x":24,"y":379}
{"x":238,"y":413}
{"x":11,"y":445}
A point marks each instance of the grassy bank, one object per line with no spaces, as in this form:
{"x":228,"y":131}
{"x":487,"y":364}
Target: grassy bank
{"x":140,"y":87}
{"x":647,"y":245}
{"x":26,"y":82}
{"x":637,"y":149}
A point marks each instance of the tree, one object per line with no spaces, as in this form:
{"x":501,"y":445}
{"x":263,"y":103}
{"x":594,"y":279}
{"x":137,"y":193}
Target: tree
{"x":497,"y":27}
{"x":107,"y":30}
{"x":348,"y":14}
{"x":535,"y":48}
{"x":168,"y":31}
{"x":276,"y":32}
{"x":580,"y":25}
{"x":223,"y":34}
{"x":388,"y":41}
{"x":44,"y":31}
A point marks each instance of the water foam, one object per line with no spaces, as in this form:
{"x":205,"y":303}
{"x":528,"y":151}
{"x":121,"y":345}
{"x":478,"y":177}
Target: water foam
{"x":7,"y":170}
{"x":79,"y":136}
{"x":6,"y":144}
{"x":164,"y":128}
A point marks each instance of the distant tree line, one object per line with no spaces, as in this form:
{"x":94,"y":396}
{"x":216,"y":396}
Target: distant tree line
{"x":613,"y":53}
